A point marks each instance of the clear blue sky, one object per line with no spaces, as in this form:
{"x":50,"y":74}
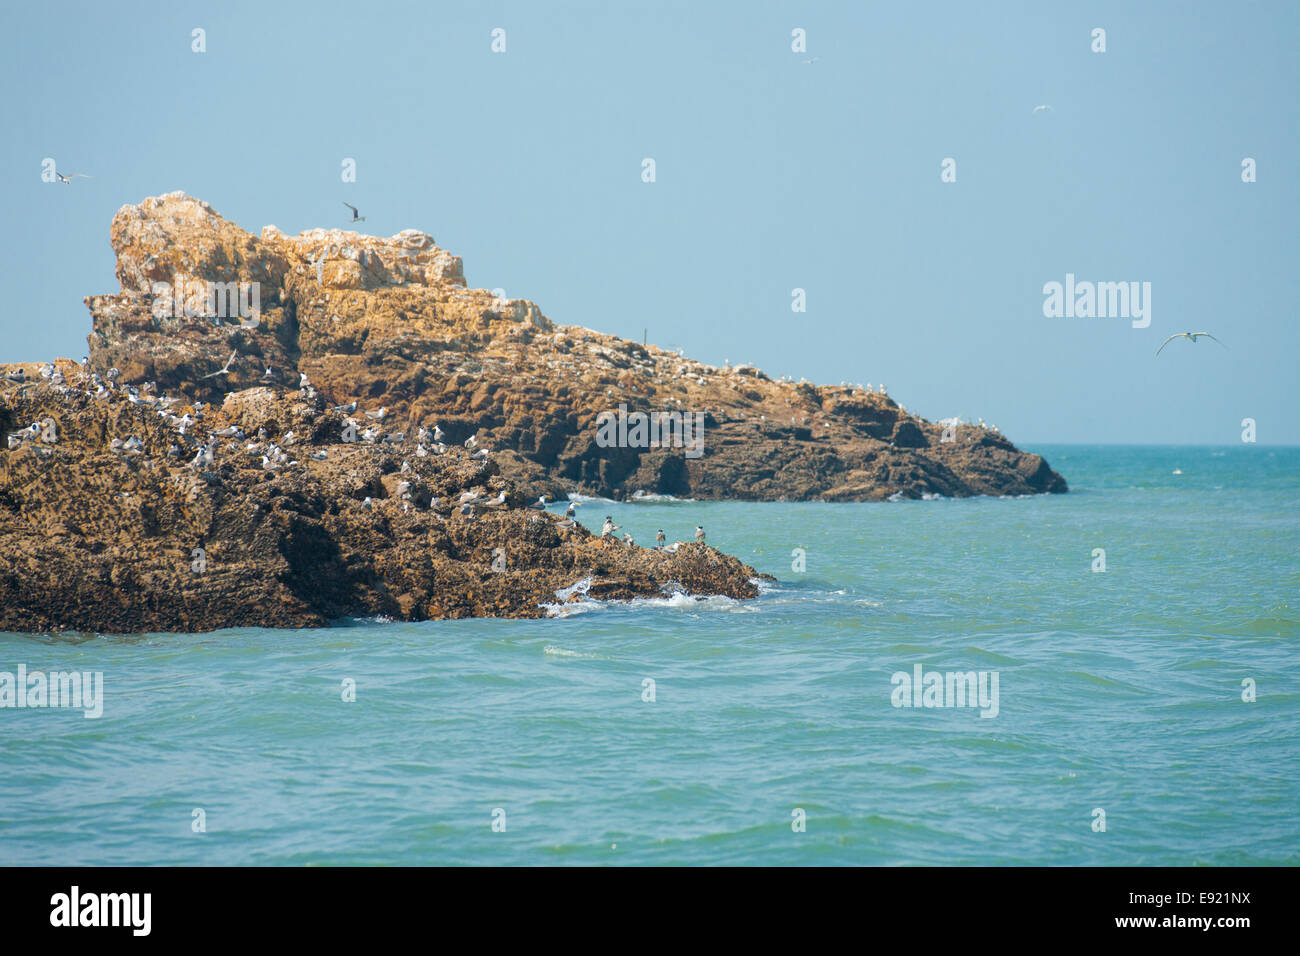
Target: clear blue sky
{"x":771,"y":174}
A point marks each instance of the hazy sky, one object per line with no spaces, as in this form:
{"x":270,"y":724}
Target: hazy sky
{"x":771,"y":174}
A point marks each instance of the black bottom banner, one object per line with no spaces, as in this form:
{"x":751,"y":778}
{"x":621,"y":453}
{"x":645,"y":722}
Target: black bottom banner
{"x":1218,"y":907}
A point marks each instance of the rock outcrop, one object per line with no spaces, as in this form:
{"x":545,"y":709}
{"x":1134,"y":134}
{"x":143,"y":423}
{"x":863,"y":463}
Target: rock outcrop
{"x":122,"y":510}
{"x":283,"y":431}
{"x":392,"y":323}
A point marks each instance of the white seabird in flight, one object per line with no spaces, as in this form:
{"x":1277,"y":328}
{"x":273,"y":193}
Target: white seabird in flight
{"x":1043,"y":106}
{"x":225,"y":368}
{"x":355,"y":217}
{"x":1190,"y":336}
{"x":67,"y":180}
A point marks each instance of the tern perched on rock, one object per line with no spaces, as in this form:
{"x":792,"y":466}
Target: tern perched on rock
{"x":699,"y":533}
{"x":498,"y":502}
{"x":608,"y":528}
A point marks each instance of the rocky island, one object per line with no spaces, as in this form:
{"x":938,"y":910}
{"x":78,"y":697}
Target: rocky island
{"x":282,"y":431}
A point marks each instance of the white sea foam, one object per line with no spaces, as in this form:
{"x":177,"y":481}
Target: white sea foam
{"x":673,"y":600}
{"x":570,"y":610}
{"x":680,"y":600}
{"x":552,"y":651}
{"x":650,"y":497}
{"x":580,"y":588}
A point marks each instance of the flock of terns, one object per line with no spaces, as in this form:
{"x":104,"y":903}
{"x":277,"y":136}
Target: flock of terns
{"x":273,"y":454}
{"x":661,"y":541}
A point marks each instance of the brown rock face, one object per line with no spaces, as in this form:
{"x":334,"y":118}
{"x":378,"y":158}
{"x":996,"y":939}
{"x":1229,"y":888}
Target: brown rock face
{"x":391,"y":323}
{"x":113,"y":519}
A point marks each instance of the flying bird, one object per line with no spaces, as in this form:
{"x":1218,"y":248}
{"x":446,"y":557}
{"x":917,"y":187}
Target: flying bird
{"x":355,"y":217}
{"x":67,"y":180}
{"x":1043,"y":106}
{"x":225,"y":368}
{"x":1190,"y":336}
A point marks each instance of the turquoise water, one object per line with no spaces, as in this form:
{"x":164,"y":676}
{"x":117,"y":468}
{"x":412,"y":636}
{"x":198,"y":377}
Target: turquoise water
{"x":1118,"y":690}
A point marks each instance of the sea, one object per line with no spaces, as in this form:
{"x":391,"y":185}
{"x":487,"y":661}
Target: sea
{"x":1126,"y":690}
